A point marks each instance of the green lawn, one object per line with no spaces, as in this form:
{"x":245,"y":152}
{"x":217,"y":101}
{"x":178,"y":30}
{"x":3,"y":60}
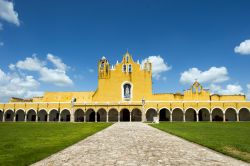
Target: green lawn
{"x":230,"y":138}
{"x":26,"y":143}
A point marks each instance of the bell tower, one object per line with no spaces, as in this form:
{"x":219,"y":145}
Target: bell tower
{"x":103,"y":69}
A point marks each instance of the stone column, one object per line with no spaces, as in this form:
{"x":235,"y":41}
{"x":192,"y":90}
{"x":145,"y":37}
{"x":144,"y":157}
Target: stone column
{"x":3,"y":119}
{"x":197,"y":117}
{"x":224,"y":117}
{"x":25,"y":117}
{"x":84,"y":117}
{"x":130,"y":116}
{"x":237,"y":116}
{"x":107,"y":117}
{"x":36,"y":116}
{"x":184,"y":118}
{"x":72,"y":116}
{"x":48,"y":117}
{"x":95,"y":116}
{"x":118,"y":116}
{"x":171,"y":117}
{"x":210,"y":117}
{"x":158,"y":115}
{"x":14,"y":118}
{"x":59,"y":120}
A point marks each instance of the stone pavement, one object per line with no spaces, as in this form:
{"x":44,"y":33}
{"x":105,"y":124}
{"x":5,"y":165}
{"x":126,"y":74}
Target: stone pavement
{"x":136,"y":143}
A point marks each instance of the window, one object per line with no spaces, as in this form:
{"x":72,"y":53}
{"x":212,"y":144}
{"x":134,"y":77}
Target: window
{"x":127,"y":91}
{"x":129,"y":68}
{"x":124,"y":68}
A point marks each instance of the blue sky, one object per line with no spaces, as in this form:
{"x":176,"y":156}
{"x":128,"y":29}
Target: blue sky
{"x":187,"y":40}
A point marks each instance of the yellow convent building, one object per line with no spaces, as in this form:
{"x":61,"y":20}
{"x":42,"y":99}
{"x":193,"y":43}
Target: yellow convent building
{"x":124,"y":93}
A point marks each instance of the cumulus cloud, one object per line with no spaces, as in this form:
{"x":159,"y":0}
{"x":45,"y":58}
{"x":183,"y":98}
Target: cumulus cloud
{"x":212,"y":75}
{"x":243,"y":48}
{"x":17,"y":85}
{"x":231,"y":89}
{"x":56,"y":76}
{"x":8,"y":13}
{"x":158,"y":66}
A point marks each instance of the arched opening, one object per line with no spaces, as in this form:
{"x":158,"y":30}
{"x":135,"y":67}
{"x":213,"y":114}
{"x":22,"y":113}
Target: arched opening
{"x":136,"y":115}
{"x":1,"y":115}
{"x":204,"y":114}
{"x":9,"y":116}
{"x":150,"y":114}
{"x":20,"y":115}
{"x":54,"y":115}
{"x":42,"y":116}
{"x":164,"y":115}
{"x":190,"y":114}
{"x":102,"y":115}
{"x":90,"y":115}
{"x":65,"y":115}
{"x":31,"y":115}
{"x":124,"y":115}
{"x":244,"y":114}
{"x":113,"y":115}
{"x":79,"y":115}
{"x":177,"y":114}
{"x":231,"y":114}
{"x":217,"y":114}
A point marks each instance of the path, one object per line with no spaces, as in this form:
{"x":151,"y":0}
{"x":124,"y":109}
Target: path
{"x":136,"y":143}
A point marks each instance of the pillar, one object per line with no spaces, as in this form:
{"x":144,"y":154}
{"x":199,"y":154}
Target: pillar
{"x":59,"y":120}
{"x":184,"y":118}
{"x":25,"y":117}
{"x":14,"y":118}
{"x":72,"y":116}
{"x":197,"y":117}
{"x":36,"y":116}
{"x":84,"y":115}
{"x":224,"y":117}
{"x":118,"y":116}
{"x":171,"y":117}
{"x":130,"y":116}
{"x":107,"y":117}
{"x":158,"y":115}
{"x":95,"y":116}
{"x":3,"y":120}
{"x":237,"y":116}
{"x":210,"y":117}
{"x":48,"y":117}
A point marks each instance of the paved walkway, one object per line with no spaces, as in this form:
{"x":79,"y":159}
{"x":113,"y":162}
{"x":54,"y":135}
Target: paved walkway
{"x":136,"y":144}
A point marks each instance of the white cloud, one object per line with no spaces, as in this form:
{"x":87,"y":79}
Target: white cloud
{"x":243,"y":48}
{"x":16,"y":85}
{"x":158,"y":66}
{"x":231,"y":89}
{"x":56,"y":76}
{"x":8,"y":13}
{"x":1,"y":43}
{"x":212,"y":75}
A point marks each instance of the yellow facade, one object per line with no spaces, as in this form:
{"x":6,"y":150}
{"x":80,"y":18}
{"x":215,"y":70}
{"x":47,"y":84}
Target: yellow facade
{"x":124,"y":93}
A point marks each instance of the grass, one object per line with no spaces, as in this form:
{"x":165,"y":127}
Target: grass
{"x":26,"y":143}
{"x":232,"y":138}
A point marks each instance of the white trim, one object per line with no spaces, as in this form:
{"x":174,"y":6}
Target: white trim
{"x":217,"y":108}
{"x":151,"y":108}
{"x":209,"y":111}
{"x":243,"y":108}
{"x":178,"y":108}
{"x":195,"y":110}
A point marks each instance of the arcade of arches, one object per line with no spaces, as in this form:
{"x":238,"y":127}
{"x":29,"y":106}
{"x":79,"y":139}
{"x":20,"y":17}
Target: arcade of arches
{"x":113,"y":115}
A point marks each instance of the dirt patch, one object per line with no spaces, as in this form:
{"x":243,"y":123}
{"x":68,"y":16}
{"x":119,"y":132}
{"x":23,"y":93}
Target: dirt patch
{"x":237,"y":153}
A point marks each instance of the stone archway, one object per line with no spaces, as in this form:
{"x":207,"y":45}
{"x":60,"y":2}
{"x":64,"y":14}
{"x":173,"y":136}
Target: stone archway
{"x":79,"y":115}
{"x":113,"y":115}
{"x":102,"y":115}
{"x":9,"y":116}
{"x":177,"y":114}
{"x":244,"y":114}
{"x":136,"y":115}
{"x":42,"y":116}
{"x":190,"y":114}
{"x":65,"y":116}
{"x":20,"y":115}
{"x":1,"y":115}
{"x":217,"y":114}
{"x":204,"y":114}
{"x":124,"y":115}
{"x":164,"y":114}
{"x":31,"y":115}
{"x":54,"y":115}
{"x":150,"y":114}
{"x":90,"y":115}
{"x":231,"y":114}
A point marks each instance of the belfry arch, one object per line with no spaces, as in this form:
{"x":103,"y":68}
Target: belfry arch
{"x":150,"y":114}
{"x":164,"y":114}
